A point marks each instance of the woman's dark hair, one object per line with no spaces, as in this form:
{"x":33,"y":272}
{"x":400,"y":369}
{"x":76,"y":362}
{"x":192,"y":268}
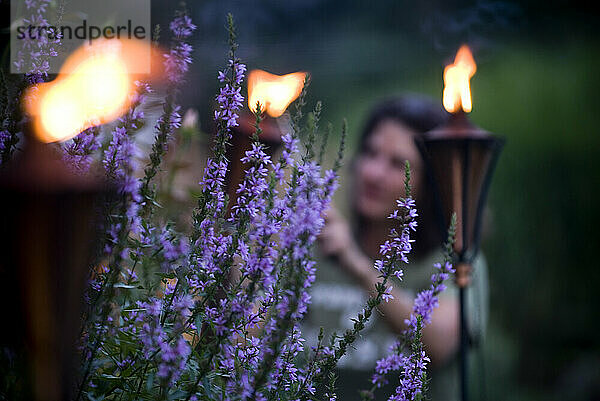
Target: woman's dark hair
{"x":417,"y":112}
{"x":420,"y":114}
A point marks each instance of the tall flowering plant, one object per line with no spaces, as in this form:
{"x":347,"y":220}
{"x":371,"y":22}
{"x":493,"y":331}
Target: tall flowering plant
{"x":215,"y":315}
{"x":32,"y":56}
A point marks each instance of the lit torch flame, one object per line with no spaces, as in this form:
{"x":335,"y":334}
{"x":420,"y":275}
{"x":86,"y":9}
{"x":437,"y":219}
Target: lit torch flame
{"x":457,"y":90}
{"x":95,"y":86}
{"x":273,"y":92}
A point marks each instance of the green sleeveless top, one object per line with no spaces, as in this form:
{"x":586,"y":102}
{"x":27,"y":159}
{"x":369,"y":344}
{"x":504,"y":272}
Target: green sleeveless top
{"x":337,"y":298}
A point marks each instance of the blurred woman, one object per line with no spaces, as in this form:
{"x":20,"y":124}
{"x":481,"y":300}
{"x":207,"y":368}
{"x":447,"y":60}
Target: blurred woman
{"x":345,"y":275}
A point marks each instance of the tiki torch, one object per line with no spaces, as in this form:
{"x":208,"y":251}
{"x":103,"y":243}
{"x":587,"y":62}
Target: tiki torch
{"x":50,"y":214}
{"x":274,"y":93}
{"x":461,"y":158}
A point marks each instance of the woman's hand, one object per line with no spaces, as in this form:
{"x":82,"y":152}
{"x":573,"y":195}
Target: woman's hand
{"x":336,"y":241}
{"x":336,"y":238}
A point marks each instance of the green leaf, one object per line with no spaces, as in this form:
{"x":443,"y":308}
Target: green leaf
{"x":110,"y":377}
{"x":198,"y":322}
{"x":150,"y":381}
{"x":127,"y":286}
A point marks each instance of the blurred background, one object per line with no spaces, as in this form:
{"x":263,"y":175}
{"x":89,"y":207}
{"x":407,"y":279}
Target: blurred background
{"x":537,"y":84}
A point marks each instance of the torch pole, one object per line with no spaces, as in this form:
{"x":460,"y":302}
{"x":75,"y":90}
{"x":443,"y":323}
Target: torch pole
{"x":464,"y":343}
{"x":463,"y":273}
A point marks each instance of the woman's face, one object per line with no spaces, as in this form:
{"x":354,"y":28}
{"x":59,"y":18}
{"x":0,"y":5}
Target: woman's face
{"x":379,"y":169}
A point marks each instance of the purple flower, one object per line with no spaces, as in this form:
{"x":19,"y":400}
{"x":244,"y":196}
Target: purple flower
{"x":78,"y":152}
{"x":119,"y":164}
{"x":171,"y":354}
{"x":387,"y":295}
{"x":424,"y":304}
{"x":182,"y":26}
{"x":230,"y":98}
{"x":36,"y":49}
{"x":166,"y":125}
{"x":118,"y":158}
{"x":304,"y":204}
{"x":210,"y":243}
{"x":178,"y":59}
{"x":4,"y":137}
{"x":409,"y":357}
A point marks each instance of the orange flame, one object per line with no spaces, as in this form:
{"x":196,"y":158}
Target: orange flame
{"x":95,"y":86}
{"x":273,"y":92}
{"x":457,"y":90}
